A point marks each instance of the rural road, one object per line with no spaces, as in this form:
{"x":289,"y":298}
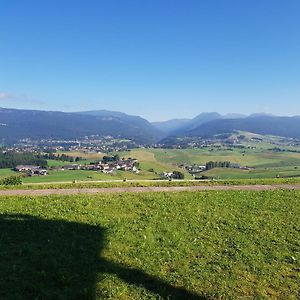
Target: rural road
{"x":73,"y":191}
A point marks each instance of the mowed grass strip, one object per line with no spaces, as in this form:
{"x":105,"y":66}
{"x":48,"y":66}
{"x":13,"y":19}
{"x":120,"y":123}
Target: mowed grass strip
{"x":149,"y":183}
{"x":188,"y":245}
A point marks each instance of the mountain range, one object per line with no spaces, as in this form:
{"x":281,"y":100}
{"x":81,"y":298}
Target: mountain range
{"x":18,"y":124}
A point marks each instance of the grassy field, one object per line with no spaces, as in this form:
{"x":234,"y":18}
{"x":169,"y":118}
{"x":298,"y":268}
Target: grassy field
{"x":59,"y":163}
{"x":149,"y":183}
{"x":89,"y":156}
{"x":259,"y":158}
{"x":282,"y":172}
{"x":266,"y":164}
{"x":146,"y":158}
{"x":81,"y":175}
{"x":207,"y":245}
{"x":161,"y":159}
{"x":6,"y":172}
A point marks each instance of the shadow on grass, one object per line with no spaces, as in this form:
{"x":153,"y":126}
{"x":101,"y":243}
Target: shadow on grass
{"x":55,"y":259}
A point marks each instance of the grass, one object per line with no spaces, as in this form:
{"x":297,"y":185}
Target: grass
{"x":267,"y":164}
{"x":149,"y":161}
{"x":69,"y":175}
{"x":203,"y":245}
{"x":6,"y":172}
{"x":83,"y":175}
{"x":60,"y":163}
{"x":258,"y":158}
{"x":149,"y":183}
{"x":220,"y":173}
{"x":89,"y":156}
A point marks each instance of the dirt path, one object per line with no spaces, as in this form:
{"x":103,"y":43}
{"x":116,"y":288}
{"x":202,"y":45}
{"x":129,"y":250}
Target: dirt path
{"x":46,"y":192}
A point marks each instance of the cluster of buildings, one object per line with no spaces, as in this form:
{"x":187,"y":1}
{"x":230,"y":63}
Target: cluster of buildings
{"x":105,"y":167}
{"x":122,"y":164}
{"x":87,"y":144}
{"x":166,"y":175}
{"x":31,"y":170}
{"x":193,"y":169}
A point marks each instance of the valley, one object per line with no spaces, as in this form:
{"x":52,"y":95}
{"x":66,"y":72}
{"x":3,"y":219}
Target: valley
{"x":259,"y":161}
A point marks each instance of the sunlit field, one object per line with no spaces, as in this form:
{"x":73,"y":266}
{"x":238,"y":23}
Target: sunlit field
{"x":188,"y":245}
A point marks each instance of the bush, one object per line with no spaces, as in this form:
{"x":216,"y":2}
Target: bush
{"x":178,"y":175}
{"x":11,"y":180}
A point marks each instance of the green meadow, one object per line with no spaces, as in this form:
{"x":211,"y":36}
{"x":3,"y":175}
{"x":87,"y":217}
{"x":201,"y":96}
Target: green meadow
{"x":151,"y":183}
{"x":82,"y":175}
{"x":188,"y":245}
{"x":264,"y":163}
{"x":281,"y":172}
{"x":6,"y":172}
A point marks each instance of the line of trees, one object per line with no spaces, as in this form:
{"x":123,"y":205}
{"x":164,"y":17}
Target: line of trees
{"x":61,"y":157}
{"x":106,"y":159}
{"x":217,"y":164}
{"x":11,"y":159}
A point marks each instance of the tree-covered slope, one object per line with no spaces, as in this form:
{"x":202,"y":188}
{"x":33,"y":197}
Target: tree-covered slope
{"x":17,"y":124}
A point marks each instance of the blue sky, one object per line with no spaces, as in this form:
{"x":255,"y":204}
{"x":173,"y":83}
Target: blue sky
{"x":160,"y":59}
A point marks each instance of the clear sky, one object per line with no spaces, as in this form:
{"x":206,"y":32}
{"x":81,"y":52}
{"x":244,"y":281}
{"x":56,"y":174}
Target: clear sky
{"x":159,"y":59}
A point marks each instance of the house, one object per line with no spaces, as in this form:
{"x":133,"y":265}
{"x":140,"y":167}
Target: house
{"x":104,"y":167}
{"x":24,"y":168}
{"x":72,"y":167}
{"x":31,"y":170}
{"x":135,"y":170}
{"x":91,"y":167}
{"x":166,"y":175}
{"x":108,"y":170}
{"x":39,"y":172}
{"x":122,"y":164}
{"x":193,"y":169}
{"x":56,"y":168}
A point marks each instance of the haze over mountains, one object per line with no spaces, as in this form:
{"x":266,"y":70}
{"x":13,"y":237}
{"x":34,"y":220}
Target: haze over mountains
{"x":17,"y":124}
{"x":183,"y":126}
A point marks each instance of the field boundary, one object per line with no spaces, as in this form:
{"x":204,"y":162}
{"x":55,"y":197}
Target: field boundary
{"x":74,"y":191}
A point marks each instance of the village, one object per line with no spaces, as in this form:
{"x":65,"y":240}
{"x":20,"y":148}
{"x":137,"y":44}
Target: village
{"x":86,"y":144}
{"x":107,"y":165}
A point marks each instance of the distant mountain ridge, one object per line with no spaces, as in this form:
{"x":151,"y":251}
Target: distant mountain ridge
{"x":180,"y":126}
{"x":197,"y":121}
{"x":260,"y":124}
{"x":18,"y":124}
{"x":137,"y":121}
{"x":170,"y":125}
{"x":207,"y":125}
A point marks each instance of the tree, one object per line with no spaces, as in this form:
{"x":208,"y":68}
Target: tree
{"x":178,"y":175}
{"x":116,"y":157}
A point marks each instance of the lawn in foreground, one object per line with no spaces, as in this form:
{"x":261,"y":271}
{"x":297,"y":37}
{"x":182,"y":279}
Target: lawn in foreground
{"x":203,"y":245}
